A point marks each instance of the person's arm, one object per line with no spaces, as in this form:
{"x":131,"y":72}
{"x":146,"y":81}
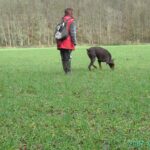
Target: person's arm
{"x":73,"y":33}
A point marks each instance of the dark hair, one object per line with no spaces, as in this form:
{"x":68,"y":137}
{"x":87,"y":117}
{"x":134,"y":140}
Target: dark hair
{"x":69,"y":12}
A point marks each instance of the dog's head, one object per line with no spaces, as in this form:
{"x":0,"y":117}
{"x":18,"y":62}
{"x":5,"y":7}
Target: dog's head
{"x":112,"y":64}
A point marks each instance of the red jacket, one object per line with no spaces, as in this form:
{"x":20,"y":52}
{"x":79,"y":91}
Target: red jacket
{"x":66,"y":43}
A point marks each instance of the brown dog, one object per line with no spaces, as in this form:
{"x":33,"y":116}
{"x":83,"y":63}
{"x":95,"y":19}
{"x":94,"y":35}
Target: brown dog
{"x":102,"y":55}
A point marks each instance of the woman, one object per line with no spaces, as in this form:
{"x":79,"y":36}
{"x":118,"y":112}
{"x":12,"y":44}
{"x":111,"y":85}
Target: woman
{"x":67,"y":45}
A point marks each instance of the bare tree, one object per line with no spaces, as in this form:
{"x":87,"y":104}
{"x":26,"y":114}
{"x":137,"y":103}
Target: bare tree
{"x":32,"y":22}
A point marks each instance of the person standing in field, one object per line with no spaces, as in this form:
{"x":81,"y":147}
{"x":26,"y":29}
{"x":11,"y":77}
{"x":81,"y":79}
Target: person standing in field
{"x":67,"y":45}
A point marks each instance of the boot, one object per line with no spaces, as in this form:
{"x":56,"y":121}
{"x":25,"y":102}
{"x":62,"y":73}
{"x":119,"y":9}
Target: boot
{"x":64,"y":64}
{"x":69,"y":67}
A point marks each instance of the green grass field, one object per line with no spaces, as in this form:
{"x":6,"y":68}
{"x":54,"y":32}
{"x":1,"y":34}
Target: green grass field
{"x":99,"y":110}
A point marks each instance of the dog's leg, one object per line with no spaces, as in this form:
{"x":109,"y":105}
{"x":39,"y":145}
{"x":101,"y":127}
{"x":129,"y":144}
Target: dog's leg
{"x":89,"y":67}
{"x":92,"y":64}
{"x":99,"y":62}
{"x":93,"y":60}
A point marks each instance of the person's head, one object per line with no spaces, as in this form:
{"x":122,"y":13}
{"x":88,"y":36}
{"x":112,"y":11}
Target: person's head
{"x":69,"y":12}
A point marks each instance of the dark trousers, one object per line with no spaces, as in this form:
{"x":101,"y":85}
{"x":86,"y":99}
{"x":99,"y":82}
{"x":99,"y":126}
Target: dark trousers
{"x":66,"y":60}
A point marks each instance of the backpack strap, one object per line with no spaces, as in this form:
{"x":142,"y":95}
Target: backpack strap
{"x":66,"y":21}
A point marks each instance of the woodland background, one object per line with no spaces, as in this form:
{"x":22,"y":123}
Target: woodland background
{"x":28,"y":23}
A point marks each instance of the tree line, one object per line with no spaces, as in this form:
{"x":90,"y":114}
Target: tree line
{"x":32,"y":22}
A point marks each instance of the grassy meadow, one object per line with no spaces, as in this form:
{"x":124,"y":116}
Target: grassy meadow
{"x":43,"y":109}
